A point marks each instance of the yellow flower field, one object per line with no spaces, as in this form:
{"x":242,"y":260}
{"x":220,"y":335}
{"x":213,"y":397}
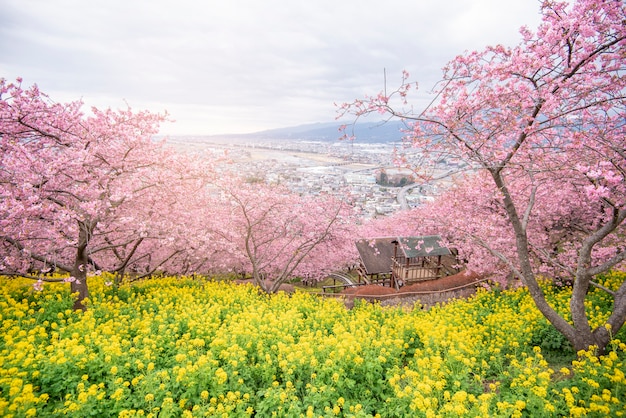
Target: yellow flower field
{"x":181,"y":347}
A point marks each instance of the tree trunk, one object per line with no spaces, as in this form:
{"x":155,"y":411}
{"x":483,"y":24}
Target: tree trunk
{"x":275,"y":285}
{"x":575,"y":336}
{"x":583,"y":338}
{"x":79,"y":270}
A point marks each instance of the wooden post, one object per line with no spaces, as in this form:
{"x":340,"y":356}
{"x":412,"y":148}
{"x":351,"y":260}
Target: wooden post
{"x":438,"y":271}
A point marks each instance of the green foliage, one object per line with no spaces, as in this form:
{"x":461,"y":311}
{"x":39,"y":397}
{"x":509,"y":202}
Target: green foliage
{"x":553,"y":344}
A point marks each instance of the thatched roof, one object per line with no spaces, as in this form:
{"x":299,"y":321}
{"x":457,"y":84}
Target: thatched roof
{"x":376,"y":253}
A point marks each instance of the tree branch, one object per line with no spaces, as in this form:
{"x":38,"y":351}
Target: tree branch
{"x":37,"y":257}
{"x":599,"y":286}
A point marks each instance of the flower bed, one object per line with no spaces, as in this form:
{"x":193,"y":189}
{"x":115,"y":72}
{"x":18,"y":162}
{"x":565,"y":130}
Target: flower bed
{"x":179,"y":347}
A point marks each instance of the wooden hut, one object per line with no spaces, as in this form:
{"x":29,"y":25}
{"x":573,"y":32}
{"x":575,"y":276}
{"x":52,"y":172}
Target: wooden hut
{"x":398,"y":261}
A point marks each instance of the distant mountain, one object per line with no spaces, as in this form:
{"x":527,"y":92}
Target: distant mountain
{"x":364,"y":132}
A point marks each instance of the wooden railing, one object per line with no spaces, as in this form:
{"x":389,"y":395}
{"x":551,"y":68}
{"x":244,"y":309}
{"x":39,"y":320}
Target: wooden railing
{"x":415,"y":272}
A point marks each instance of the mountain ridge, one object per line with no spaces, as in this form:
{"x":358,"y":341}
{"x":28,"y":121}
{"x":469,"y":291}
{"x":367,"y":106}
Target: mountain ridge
{"x":364,"y":132}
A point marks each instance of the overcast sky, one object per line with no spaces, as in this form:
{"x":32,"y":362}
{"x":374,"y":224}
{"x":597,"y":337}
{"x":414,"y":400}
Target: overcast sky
{"x":242,"y":65}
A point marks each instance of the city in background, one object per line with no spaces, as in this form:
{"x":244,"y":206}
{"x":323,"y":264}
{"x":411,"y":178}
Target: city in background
{"x":363,"y":171}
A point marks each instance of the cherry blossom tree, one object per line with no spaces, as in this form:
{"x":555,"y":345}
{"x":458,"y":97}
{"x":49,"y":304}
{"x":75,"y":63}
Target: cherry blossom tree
{"x":166,"y":230}
{"x":84,"y":191}
{"x":543,"y":124}
{"x":279,"y":235}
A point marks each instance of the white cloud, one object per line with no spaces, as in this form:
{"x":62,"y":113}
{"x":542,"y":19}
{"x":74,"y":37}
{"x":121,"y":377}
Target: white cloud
{"x":242,"y":65}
